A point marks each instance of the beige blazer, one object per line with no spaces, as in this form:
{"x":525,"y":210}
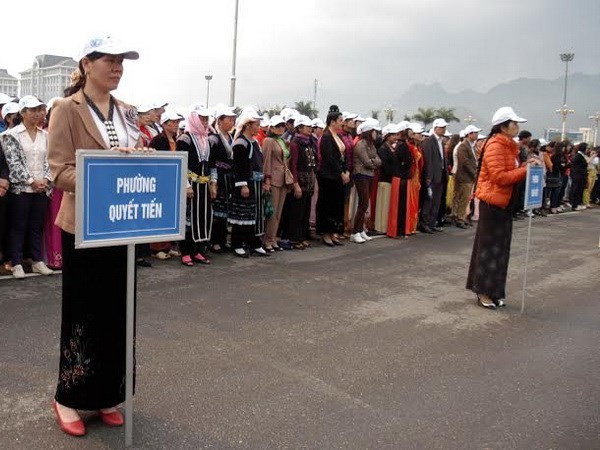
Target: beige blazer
{"x":273,"y":162}
{"x":72,"y":128}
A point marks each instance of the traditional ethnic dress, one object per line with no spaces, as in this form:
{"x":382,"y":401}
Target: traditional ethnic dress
{"x":414,"y":188}
{"x":221,"y":160}
{"x":397,"y":221}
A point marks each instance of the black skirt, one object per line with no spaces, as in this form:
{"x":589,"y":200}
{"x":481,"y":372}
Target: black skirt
{"x":93,"y":331}
{"x":330,"y":206}
{"x":491,"y":252}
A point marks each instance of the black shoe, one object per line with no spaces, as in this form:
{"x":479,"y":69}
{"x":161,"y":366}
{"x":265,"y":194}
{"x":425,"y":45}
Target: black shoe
{"x":438,"y":229}
{"x":426,"y":229}
{"x":336,"y":242}
{"x":498,"y":302}
{"x":143,"y":263}
{"x":461,"y":225}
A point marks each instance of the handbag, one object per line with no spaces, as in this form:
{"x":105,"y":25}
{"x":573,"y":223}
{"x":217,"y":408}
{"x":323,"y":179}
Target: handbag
{"x":288,"y":177}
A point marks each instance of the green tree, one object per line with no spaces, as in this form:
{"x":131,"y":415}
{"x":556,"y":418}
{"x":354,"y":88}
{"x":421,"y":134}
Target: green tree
{"x":271,"y":111}
{"x":375,"y":114}
{"x":447,"y":114}
{"x":407,"y":117}
{"x":425,"y":115}
{"x":306,"y":109}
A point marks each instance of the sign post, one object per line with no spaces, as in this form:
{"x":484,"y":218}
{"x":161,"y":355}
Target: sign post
{"x":534,"y":198}
{"x":128,"y":199}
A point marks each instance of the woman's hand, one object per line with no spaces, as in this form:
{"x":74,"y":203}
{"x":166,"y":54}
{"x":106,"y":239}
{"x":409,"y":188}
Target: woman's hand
{"x":266,"y":186}
{"x":39,"y":185}
{"x":245,"y":192}
{"x":297,"y":191}
{"x":130,"y":150}
{"x":190,"y":192}
{"x":533,"y":162}
{"x":345,"y":177}
{"x":212,"y":189}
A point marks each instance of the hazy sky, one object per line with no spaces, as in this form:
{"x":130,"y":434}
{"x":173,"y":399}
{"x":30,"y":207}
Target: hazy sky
{"x":364,"y":53}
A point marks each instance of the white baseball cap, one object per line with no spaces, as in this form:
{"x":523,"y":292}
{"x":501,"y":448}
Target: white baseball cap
{"x":10,"y":108}
{"x":170,"y":115}
{"x":288,"y":114}
{"x":318,"y":123}
{"x":417,"y":128}
{"x":302,"y":120}
{"x":461,"y":134}
{"x":349,"y":116}
{"x":368,"y":125}
{"x":264,"y":123}
{"x":543,"y":142}
{"x":505,"y":114}
{"x":481,"y":136}
{"x":360,"y":119}
{"x":223,"y":110}
{"x":5,"y":98}
{"x":391,"y":128}
{"x":109,"y":46}
{"x":276,"y":120}
{"x":471,"y":129}
{"x":447,"y":134}
{"x":29,"y":101}
{"x":146,"y":107}
{"x":200,"y":109}
{"x":439,"y":123}
{"x":403,"y":125}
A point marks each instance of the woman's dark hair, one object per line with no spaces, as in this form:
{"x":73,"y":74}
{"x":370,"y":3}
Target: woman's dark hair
{"x":551,"y":144}
{"x":332,"y":117}
{"x":559,"y":148}
{"x":582,"y":147}
{"x":334,"y":108}
{"x":534,"y":143}
{"x":78,"y":77}
{"x":368,"y":136}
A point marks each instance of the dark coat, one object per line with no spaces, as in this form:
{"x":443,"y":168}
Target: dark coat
{"x":578,"y":167}
{"x":386,"y":172}
{"x":331,"y":161}
{"x":434,"y":168}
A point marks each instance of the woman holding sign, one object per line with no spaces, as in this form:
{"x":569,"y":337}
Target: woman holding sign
{"x":499,"y":172}
{"x":92,"y":343}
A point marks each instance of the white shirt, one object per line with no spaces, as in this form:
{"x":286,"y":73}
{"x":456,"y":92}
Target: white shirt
{"x":35,"y":151}
{"x":440,"y":145}
{"x":455,"y":158}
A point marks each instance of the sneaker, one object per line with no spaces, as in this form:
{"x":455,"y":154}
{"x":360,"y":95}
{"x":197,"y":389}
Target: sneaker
{"x":579,"y":208}
{"x":357,"y":238}
{"x":174,"y":252}
{"x":40,"y":267}
{"x":365,"y":236}
{"x":162,"y":255}
{"x":18,"y":271}
{"x":241,"y":252}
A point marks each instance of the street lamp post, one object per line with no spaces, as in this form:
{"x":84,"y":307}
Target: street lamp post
{"x":389,"y":113}
{"x":315,"y":94}
{"x":566,"y":58}
{"x":235,"y":27}
{"x":596,"y":119}
{"x":208,"y":78}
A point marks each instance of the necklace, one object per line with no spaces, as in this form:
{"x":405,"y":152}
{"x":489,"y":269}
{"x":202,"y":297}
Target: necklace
{"x":113,"y":137}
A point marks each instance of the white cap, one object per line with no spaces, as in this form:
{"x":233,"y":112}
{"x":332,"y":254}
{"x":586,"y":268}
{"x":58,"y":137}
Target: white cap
{"x":170,"y":115}
{"x":447,"y":134}
{"x":543,"y":142}
{"x":481,"y":136}
{"x":439,"y":123}
{"x":246,"y":117}
{"x":302,"y":120}
{"x":182,"y":124}
{"x":349,"y":116}
{"x":318,"y":123}
{"x":10,"y":108}
{"x":417,"y":128}
{"x":29,"y":101}
{"x":200,"y":109}
{"x":223,"y":110}
{"x":368,"y":125}
{"x":288,"y":114}
{"x":5,"y":98}
{"x":391,"y":128}
{"x":109,"y":46}
{"x":505,"y":114}
{"x":426,"y":133}
{"x":264,"y":123}
{"x":276,"y":120}
{"x":461,"y":134}
{"x":360,"y":119}
{"x":146,"y":107}
{"x":403,"y":125}
{"x":471,"y":129}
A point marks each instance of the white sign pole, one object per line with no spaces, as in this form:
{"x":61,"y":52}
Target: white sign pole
{"x":129,"y":345}
{"x":526,"y":262}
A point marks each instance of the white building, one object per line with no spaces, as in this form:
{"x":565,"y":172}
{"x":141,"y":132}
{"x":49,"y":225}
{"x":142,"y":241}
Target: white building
{"x":9,"y":85}
{"x":48,"y":77}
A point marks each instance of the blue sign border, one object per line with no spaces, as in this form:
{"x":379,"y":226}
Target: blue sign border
{"x":86,"y":160}
{"x":532,"y":202}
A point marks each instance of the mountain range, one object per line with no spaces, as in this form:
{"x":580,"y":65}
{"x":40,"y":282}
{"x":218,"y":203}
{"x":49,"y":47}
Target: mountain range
{"x":533,"y":98}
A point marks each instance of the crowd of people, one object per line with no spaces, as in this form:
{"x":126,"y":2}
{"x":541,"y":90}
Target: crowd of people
{"x":255,"y":185}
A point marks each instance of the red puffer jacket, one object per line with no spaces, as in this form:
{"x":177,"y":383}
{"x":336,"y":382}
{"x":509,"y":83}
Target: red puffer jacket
{"x":499,"y":171}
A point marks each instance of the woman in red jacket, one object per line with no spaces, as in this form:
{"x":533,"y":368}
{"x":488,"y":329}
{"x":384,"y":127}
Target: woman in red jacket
{"x":499,"y":171}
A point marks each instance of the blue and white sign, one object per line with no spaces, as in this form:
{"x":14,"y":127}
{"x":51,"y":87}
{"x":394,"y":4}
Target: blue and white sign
{"x":534,"y":187}
{"x":129,"y":198}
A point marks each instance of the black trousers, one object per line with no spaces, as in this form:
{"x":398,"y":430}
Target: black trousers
{"x":577,"y":188}
{"x":244,"y":236}
{"x":431,"y":205}
{"x":296,"y":225}
{"x":26,"y":214}
{"x":3,"y":227}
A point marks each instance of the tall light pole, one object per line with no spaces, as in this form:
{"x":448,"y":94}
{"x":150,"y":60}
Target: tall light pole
{"x":235,"y":27}
{"x":208,"y":78}
{"x":315,"y":94}
{"x":566,"y":58}
{"x":596,"y":119}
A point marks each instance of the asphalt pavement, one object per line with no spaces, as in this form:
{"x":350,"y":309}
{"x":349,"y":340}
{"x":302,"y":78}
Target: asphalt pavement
{"x":367,"y":346}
